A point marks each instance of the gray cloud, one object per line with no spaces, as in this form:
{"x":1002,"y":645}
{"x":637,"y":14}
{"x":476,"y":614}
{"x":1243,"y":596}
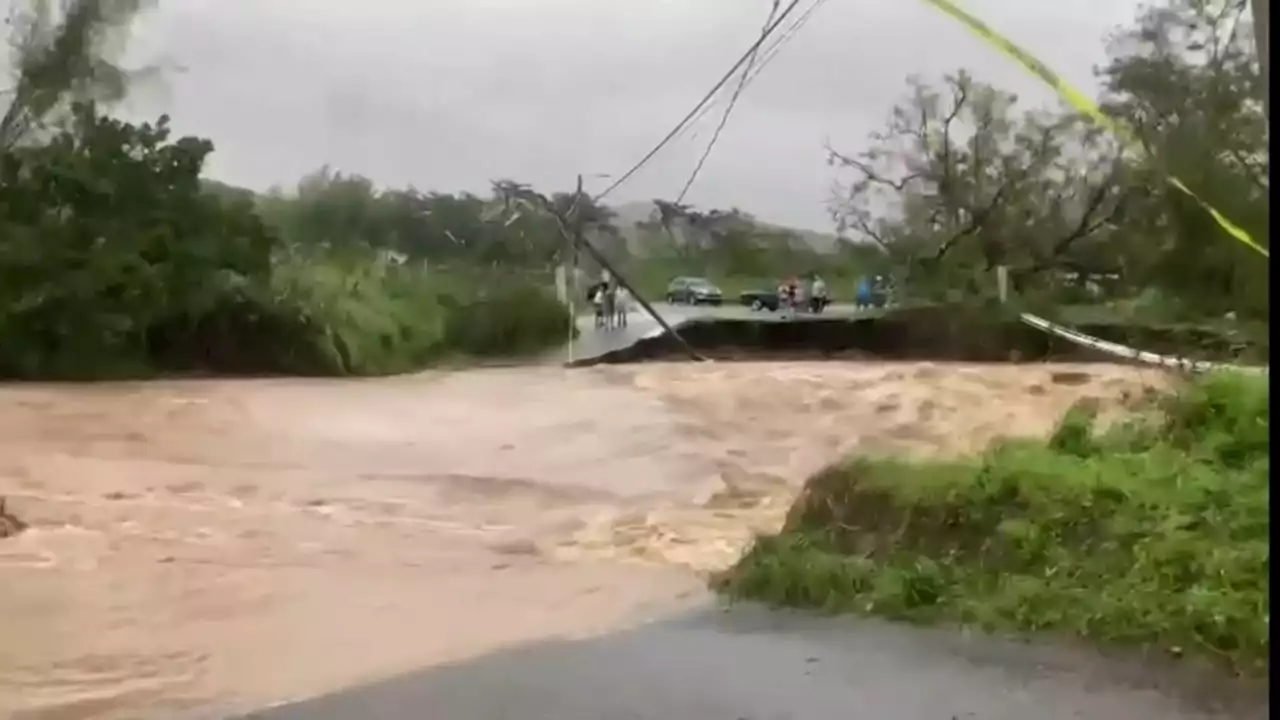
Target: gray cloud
{"x":448,"y":95}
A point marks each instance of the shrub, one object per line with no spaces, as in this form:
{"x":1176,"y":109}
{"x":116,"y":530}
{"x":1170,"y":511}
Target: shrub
{"x":513,"y":319}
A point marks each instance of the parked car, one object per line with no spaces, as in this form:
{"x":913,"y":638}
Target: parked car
{"x":761,"y":300}
{"x":694,"y":291}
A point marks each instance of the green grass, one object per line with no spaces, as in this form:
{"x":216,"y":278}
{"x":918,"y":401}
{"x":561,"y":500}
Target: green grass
{"x":1153,"y":533}
{"x":326,"y":315}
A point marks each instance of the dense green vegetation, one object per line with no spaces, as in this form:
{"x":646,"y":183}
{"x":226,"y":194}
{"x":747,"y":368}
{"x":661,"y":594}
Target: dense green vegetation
{"x":118,"y":261}
{"x":1153,"y":532}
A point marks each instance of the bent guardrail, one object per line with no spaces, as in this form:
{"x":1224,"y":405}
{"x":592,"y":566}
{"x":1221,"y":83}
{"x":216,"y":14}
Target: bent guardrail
{"x":1128,"y":353}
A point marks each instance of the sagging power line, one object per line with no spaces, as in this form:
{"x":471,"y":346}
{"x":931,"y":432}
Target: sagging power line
{"x":751,"y":51}
{"x":728,"y":110}
{"x":769,"y":54}
{"x":749,"y":73}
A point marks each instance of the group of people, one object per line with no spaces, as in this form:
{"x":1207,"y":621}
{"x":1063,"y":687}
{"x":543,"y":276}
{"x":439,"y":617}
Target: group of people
{"x":873,"y":292}
{"x":811,"y":293}
{"x":612,"y":303}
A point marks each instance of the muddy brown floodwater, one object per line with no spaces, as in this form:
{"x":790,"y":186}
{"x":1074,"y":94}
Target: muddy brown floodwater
{"x":240,"y":543}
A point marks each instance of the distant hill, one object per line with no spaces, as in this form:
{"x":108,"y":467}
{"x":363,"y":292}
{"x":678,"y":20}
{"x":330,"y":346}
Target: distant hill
{"x":631,"y":215}
{"x":629,"y":219}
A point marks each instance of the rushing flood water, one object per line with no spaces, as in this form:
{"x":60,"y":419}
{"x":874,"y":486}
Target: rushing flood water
{"x":245,"y":542}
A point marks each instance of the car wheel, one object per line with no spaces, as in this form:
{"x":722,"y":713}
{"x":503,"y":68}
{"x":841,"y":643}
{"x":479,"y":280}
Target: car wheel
{"x":671,"y":299}
{"x":757,"y":305}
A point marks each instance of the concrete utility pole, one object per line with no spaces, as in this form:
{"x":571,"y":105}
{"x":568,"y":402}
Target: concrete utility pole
{"x":575,"y":234}
{"x":1262,"y":42}
{"x":571,"y":264}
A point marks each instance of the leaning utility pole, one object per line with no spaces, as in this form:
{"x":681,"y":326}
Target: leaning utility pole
{"x":571,"y":264}
{"x":575,"y":235}
{"x":1262,"y":43}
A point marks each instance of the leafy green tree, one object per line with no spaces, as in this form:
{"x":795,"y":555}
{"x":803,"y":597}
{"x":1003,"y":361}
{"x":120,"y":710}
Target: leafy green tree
{"x":107,"y":234}
{"x":961,"y":182}
{"x":1186,"y":78}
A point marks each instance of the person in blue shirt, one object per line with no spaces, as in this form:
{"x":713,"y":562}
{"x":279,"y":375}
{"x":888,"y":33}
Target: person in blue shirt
{"x":864,"y":292}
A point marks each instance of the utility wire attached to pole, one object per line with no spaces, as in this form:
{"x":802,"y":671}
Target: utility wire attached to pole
{"x":769,"y":54}
{"x":706,"y":99}
{"x":728,"y":110}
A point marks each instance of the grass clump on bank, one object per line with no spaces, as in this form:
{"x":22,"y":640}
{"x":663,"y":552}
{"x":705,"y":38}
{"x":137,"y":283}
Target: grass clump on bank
{"x":1152,"y":533}
{"x":367,"y":319}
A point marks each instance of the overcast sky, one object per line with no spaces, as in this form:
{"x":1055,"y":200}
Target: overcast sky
{"x":448,"y":94}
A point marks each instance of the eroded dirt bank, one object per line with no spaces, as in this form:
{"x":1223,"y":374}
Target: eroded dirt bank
{"x":246,"y":542}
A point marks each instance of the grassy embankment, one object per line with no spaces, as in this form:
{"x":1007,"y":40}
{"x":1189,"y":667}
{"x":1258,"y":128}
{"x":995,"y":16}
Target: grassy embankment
{"x":1153,"y":533}
{"x":360,"y":318}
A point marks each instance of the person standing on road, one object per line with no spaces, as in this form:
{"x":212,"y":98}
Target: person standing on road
{"x":621,"y":306}
{"x":864,"y":292}
{"x":818,"y":293}
{"x":609,"y":297}
{"x":595,"y":294}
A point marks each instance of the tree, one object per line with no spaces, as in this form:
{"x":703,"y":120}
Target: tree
{"x":1186,"y":79}
{"x":959,"y":182}
{"x":108,"y":234}
{"x":62,"y":55}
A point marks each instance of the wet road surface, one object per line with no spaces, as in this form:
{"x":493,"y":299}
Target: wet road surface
{"x":749,"y":664}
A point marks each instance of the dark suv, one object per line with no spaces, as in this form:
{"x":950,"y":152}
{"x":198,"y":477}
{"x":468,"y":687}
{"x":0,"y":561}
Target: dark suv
{"x":693,"y":291}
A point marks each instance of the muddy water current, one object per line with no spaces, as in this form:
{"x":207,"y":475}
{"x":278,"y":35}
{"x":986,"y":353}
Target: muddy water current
{"x":240,"y":543}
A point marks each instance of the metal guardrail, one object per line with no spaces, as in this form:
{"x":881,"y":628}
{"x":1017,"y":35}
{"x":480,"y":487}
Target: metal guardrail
{"x":1128,"y":353}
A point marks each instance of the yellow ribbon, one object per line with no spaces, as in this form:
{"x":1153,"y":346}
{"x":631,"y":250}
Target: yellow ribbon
{"x":1082,"y":103}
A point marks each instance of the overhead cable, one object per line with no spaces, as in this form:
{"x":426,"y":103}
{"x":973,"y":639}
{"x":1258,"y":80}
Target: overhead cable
{"x":751,"y":51}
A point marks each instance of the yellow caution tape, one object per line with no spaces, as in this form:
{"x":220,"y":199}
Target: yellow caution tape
{"x":1082,"y":103}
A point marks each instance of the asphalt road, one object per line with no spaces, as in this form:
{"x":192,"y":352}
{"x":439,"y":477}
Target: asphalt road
{"x":751,"y":664}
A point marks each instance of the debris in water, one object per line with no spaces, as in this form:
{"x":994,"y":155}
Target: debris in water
{"x":9,"y":524}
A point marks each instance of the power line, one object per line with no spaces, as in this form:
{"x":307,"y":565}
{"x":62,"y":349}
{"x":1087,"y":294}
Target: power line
{"x":770,"y":53}
{"x":755,"y":46}
{"x":724,"y":118}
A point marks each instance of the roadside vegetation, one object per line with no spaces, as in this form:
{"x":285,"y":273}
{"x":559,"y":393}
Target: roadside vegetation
{"x":1152,"y":532}
{"x":117,"y":259}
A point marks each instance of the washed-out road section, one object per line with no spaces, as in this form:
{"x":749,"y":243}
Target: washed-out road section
{"x":594,"y":342}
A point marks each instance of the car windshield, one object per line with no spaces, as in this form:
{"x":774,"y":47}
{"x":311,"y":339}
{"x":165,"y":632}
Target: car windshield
{"x":701,"y":285}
